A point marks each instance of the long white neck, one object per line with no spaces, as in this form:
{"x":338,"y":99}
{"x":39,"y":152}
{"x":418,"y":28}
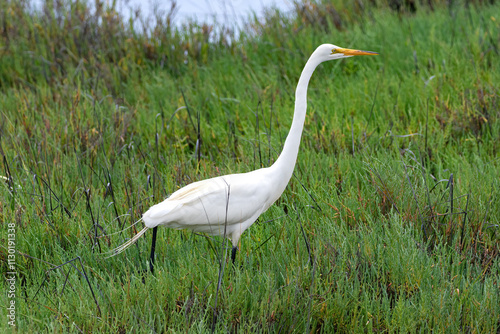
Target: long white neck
{"x":285,"y":163}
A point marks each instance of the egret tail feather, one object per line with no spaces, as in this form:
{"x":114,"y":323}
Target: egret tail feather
{"x":121,"y":231}
{"x":124,"y":246}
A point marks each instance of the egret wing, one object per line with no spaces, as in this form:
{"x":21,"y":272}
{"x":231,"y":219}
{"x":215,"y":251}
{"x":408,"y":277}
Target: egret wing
{"x":209,"y":205}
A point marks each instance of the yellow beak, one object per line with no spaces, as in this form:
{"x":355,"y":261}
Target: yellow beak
{"x":350,"y":52}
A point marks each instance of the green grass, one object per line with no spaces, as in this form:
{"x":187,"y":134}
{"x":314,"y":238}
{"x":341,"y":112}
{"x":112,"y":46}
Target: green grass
{"x":390,"y":223}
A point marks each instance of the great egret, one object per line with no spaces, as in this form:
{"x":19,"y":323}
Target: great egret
{"x":228,"y":205}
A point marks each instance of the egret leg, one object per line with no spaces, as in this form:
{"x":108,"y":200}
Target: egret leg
{"x":153,"y":246}
{"x":233,"y":253}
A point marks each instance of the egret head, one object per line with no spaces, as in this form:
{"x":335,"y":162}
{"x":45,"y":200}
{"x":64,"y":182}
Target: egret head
{"x":330,"y":51}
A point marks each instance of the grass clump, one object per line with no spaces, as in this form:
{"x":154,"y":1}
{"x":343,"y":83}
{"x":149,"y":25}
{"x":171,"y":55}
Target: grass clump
{"x":389,"y":224}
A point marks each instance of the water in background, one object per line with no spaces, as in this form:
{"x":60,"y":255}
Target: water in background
{"x":229,"y":12}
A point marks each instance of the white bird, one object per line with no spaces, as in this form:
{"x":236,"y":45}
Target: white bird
{"x":228,"y":205}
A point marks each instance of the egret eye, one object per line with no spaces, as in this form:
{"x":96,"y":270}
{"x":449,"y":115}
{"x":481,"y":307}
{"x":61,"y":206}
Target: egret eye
{"x":334,"y":51}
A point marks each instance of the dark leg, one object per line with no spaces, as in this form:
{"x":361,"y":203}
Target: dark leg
{"x":233,"y":253}
{"x":153,"y":246}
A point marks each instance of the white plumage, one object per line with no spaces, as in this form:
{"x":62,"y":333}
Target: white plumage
{"x":228,"y":205}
